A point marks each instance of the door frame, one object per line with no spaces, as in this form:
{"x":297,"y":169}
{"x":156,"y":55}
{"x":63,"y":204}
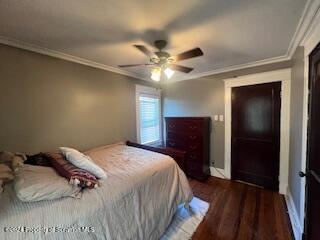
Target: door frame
{"x":283,"y":76}
{"x":309,"y":42}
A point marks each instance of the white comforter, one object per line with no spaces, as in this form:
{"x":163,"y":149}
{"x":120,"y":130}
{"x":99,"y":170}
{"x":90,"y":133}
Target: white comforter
{"x":136,"y":201}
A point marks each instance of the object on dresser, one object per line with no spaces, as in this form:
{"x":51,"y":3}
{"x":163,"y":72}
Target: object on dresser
{"x":176,"y":154}
{"x":191,"y":134}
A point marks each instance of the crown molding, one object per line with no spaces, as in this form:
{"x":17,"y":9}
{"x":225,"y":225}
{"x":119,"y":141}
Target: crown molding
{"x":67,"y":57}
{"x":238,"y":67}
{"x":71,"y":58}
{"x":306,"y":24}
{"x":310,"y":39}
{"x":263,"y":77}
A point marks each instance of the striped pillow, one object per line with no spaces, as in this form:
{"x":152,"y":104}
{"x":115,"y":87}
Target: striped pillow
{"x":75,"y":175}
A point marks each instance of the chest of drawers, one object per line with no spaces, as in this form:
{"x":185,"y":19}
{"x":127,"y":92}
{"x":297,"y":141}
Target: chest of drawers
{"x":191,"y":134}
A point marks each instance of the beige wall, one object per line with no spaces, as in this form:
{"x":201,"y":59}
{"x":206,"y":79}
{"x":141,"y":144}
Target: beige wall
{"x":296,"y":115}
{"x":47,"y":102}
{"x":205,"y":97}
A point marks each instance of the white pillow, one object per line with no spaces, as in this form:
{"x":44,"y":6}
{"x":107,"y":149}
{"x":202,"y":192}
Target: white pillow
{"x":36,"y":183}
{"x":83,"y":161}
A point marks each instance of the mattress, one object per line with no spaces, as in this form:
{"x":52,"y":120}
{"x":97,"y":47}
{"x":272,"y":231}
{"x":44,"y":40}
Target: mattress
{"x":136,"y":201}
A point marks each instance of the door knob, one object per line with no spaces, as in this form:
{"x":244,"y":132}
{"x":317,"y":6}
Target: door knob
{"x":302,"y":174}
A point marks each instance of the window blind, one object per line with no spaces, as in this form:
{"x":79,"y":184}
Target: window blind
{"x":149,"y":107}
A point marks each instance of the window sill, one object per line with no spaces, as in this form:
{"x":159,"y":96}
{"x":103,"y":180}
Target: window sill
{"x":154,"y":144}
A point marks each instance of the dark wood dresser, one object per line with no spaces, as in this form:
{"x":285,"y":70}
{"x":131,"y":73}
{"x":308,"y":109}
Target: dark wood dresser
{"x":191,"y":134}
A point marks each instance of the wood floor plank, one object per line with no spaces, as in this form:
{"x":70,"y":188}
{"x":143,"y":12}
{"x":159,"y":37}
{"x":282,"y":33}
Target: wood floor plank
{"x":241,"y":212}
{"x":230,"y":221}
{"x":246,"y":228}
{"x":281,"y":219}
{"x":208,"y":228}
{"x":267,"y":217}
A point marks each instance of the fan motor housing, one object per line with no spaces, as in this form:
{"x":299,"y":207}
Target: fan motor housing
{"x":160,"y":44}
{"x":162,"y":55}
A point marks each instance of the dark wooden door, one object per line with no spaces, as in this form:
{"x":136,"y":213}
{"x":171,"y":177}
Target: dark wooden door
{"x":256,"y":134}
{"x":312,"y":220}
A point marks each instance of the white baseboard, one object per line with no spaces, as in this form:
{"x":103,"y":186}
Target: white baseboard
{"x":294,"y":217}
{"x":218,"y":172}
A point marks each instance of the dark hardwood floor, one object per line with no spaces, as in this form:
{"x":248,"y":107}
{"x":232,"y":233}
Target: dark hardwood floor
{"x":240,"y":211}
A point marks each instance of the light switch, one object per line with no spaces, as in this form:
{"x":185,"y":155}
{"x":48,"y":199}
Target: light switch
{"x":221,"y":118}
{"x":216,"y":117}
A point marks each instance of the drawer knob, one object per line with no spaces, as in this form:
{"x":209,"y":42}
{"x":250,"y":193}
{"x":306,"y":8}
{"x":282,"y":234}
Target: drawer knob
{"x":193,"y":147}
{"x":193,"y":137}
{"x":172,"y":143}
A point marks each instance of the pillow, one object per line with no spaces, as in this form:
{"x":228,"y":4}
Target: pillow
{"x":83,"y":161}
{"x":75,"y":175}
{"x":37,"y":183}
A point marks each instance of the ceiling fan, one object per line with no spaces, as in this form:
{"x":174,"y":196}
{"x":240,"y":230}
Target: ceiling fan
{"x":163,"y":61}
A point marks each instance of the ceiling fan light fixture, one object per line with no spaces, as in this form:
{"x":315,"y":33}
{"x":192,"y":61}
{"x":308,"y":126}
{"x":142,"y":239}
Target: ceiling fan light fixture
{"x":156,"y":74}
{"x":164,"y":64}
{"x":169,"y":72}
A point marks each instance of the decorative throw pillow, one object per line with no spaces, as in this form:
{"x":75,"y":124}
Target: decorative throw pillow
{"x":75,"y":175}
{"x":82,"y":161}
{"x":36,"y":183}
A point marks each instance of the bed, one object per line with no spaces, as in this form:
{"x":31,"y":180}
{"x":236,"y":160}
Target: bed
{"x":136,"y":201}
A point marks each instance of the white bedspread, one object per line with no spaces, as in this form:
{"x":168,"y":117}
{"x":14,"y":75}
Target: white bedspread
{"x":136,"y":201}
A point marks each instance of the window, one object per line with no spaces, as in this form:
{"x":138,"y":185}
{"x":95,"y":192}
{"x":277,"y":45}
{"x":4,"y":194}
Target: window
{"x":148,"y":103}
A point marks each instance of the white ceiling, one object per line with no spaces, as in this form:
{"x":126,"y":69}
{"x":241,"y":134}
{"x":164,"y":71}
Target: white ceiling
{"x":231,"y":33}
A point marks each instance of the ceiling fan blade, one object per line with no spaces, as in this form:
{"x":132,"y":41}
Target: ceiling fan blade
{"x":180,"y":68}
{"x":145,"y":50}
{"x":196,"y":52}
{"x":136,"y":65}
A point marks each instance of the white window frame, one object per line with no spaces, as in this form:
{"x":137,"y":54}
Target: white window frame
{"x":140,"y":89}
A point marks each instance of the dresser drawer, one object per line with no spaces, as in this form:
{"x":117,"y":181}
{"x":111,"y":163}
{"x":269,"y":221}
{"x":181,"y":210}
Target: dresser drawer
{"x":195,"y":127}
{"x":185,"y":126}
{"x":176,"y":144}
{"x":193,"y":167}
{"x":194,"y":146}
{"x":176,"y":135}
{"x":194,"y":137}
{"x":194,"y":157}
{"x":191,"y":134}
{"x":187,"y":137}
